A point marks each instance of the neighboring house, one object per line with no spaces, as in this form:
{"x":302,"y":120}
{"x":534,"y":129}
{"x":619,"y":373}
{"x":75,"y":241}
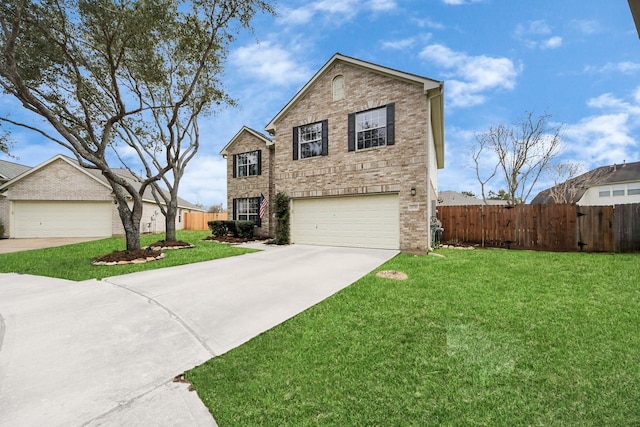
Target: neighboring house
{"x":9,"y":170}
{"x":453,"y":198}
{"x":357,"y":150}
{"x":59,"y":198}
{"x":606,"y":185}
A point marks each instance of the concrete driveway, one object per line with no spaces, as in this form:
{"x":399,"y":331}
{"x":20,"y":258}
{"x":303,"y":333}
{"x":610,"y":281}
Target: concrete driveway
{"x":104,"y":353}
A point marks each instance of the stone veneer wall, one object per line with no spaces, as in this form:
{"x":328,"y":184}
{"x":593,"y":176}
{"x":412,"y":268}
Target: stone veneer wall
{"x":251,"y":186}
{"x":391,"y":169}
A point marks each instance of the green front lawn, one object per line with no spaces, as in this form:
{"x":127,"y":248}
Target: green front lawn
{"x":484,"y":337}
{"x":73,"y":262}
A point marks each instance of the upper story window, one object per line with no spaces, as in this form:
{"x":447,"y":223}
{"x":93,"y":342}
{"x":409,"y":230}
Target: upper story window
{"x":604,"y":191}
{"x":372,"y":128}
{"x":247,"y":164}
{"x":618,"y":190}
{"x":633,"y":189}
{"x":311,"y":140}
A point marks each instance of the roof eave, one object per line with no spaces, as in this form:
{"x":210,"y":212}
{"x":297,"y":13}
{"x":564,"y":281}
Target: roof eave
{"x":225,"y":151}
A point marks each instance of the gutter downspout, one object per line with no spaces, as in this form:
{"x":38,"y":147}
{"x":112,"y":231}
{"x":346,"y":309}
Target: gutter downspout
{"x":430,"y":142}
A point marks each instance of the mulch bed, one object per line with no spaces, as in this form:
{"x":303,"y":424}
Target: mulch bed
{"x":128,"y":257}
{"x":152,"y":252}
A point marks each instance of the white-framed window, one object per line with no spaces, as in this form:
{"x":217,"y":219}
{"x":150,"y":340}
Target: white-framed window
{"x":311,"y":140}
{"x":247,"y":209}
{"x":604,"y":191}
{"x":618,"y":190}
{"x":372,"y":128}
{"x":633,"y":189}
{"x":247,"y":164}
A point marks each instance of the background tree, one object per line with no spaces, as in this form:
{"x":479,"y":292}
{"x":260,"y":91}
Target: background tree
{"x":216,"y":208}
{"x":481,"y":145}
{"x":523,"y":152}
{"x":566,"y":187}
{"x":101,"y":72}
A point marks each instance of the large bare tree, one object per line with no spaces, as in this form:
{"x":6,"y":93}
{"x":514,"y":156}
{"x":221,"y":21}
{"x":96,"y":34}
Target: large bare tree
{"x":111,"y":73}
{"x":522,"y":150}
{"x":566,"y":187}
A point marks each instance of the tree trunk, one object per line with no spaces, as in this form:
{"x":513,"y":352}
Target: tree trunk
{"x":130,"y":218}
{"x":170,"y":224}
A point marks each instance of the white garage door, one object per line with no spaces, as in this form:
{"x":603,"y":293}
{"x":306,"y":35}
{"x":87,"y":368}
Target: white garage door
{"x":62,"y":219}
{"x":358,"y":221}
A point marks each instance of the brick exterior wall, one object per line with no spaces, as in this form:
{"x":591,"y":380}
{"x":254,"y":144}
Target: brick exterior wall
{"x":390,"y":169}
{"x":251,"y":186}
{"x":4,"y":215}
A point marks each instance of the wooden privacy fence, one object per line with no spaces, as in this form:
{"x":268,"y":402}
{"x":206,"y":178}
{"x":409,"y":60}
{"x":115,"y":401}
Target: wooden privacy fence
{"x":199,"y":220}
{"x":556,"y":227}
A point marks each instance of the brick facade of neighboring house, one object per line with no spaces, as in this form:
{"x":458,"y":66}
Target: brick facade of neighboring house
{"x":61,"y":199}
{"x":376,"y":144}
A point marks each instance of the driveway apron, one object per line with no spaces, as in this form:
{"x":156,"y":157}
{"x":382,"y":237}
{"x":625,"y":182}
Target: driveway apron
{"x":105,"y":352}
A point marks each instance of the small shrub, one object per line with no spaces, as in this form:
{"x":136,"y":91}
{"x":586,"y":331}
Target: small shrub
{"x":1,"y":229}
{"x":244,"y":229}
{"x":218,"y":228}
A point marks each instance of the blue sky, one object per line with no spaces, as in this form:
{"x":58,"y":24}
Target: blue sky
{"x":578,"y":60}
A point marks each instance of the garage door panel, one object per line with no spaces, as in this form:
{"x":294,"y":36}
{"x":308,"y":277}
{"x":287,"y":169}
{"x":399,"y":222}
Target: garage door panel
{"x":62,"y":219}
{"x":358,"y":221}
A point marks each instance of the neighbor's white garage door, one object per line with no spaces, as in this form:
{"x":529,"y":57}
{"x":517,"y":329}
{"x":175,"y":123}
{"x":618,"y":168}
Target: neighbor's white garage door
{"x":62,"y":219}
{"x":358,"y":221}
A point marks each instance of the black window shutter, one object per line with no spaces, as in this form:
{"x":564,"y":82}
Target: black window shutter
{"x":295,"y":143}
{"x":258,"y":220}
{"x":259,"y":162}
{"x":235,"y":164}
{"x":325,"y":137}
{"x":351,"y":138}
{"x":391,"y":124}
{"x":235,"y":209}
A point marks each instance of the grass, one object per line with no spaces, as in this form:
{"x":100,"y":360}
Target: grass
{"x":485,"y":337}
{"x":73,"y":262}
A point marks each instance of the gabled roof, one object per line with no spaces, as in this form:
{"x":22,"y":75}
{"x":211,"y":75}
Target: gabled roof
{"x":433,"y":89}
{"x":95,"y":175}
{"x":612,"y":174}
{"x":268,"y":141}
{"x":9,"y":170}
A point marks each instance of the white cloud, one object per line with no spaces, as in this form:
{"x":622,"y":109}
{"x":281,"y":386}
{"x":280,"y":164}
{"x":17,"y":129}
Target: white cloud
{"x":606,"y":138}
{"x":399,"y":44}
{"x":382,"y":5}
{"x":335,"y":11}
{"x":459,"y":2}
{"x":552,"y":43}
{"x":625,"y":67}
{"x":586,"y":27}
{"x":536,"y":34}
{"x":471,"y":77}
{"x":273,"y":64}
{"x":205,"y":181}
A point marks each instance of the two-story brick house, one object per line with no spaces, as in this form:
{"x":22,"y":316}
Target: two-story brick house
{"x":357,"y":150}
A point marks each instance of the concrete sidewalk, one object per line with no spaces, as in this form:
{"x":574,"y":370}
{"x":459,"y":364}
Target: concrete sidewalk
{"x":105,"y":352}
